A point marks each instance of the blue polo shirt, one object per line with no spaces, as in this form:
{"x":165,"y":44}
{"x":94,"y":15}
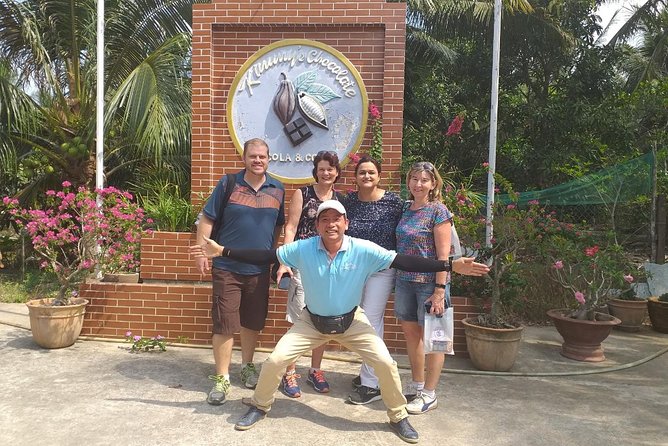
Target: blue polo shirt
{"x":249,"y":219}
{"x":334,"y":287}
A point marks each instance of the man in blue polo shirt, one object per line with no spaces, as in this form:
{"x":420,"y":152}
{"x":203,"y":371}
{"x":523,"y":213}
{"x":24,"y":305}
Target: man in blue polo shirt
{"x":252,"y":218}
{"x":334,"y":268}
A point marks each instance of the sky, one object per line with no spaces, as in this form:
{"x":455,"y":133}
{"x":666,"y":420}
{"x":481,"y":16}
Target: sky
{"x":607,"y":10}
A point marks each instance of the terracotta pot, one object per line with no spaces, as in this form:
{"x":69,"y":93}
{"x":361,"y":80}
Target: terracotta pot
{"x":583,"y":338}
{"x":121,"y":277}
{"x":658,"y":314}
{"x":56,"y":327}
{"x":632,"y":313}
{"x":493,"y":349}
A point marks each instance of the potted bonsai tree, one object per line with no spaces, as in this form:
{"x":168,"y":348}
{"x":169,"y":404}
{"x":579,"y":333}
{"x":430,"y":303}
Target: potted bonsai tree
{"x":493,"y":338}
{"x":72,"y":236}
{"x":589,"y":271}
{"x":62,"y":232}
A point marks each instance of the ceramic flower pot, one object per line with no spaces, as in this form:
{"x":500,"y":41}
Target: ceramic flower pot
{"x":658,"y":314}
{"x":493,"y":349}
{"x":632,"y":313}
{"x":56,"y":327}
{"x":583,"y":338}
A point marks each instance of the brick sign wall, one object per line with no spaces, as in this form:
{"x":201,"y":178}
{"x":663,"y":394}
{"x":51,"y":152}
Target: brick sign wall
{"x":174,"y":300}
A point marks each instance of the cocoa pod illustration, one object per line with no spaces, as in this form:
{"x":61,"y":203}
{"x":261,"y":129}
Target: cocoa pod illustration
{"x":312,"y":110}
{"x":285,"y":101}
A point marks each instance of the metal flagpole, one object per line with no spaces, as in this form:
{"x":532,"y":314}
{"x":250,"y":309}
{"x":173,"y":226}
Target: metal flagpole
{"x":496,"y":49}
{"x":99,"y":112}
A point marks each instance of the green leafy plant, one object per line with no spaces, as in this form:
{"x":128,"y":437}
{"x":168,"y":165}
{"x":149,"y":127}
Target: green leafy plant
{"x":169,"y":210}
{"x":141,"y":343}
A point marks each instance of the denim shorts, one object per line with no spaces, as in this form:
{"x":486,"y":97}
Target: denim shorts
{"x":409,"y":298}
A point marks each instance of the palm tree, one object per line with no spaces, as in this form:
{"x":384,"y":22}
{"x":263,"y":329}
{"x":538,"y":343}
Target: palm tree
{"x":647,"y":28}
{"x":50,"y":133}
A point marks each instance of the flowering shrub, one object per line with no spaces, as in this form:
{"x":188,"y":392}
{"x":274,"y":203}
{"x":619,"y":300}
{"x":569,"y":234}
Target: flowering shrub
{"x":376,"y":148}
{"x":119,"y":232}
{"x":589,"y":272}
{"x":72,"y":236}
{"x":140,"y":343}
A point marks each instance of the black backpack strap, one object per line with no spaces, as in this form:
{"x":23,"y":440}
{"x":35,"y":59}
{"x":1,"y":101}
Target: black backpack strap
{"x":229,"y":187}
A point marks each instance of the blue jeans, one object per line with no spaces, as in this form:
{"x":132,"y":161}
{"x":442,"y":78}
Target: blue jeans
{"x":409,"y":298}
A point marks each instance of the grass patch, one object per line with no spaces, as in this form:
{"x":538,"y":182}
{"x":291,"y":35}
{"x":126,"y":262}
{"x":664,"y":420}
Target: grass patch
{"x":35,"y":284}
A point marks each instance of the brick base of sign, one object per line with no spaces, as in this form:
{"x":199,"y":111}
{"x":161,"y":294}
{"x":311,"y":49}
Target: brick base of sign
{"x":169,"y":302}
{"x":174,"y":301}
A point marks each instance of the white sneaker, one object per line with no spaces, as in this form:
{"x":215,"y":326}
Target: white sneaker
{"x":421,"y":404}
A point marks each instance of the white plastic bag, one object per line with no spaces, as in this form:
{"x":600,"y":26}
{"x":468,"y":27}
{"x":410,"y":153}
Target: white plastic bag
{"x":439,"y":332}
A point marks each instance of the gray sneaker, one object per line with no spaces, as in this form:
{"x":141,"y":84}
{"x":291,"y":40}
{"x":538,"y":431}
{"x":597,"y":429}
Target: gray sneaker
{"x":218,"y":393}
{"x":249,"y":376}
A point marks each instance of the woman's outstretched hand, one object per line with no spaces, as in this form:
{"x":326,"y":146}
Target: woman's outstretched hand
{"x":467,"y":267}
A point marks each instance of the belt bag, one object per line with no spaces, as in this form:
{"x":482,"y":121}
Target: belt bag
{"x":333,"y":324}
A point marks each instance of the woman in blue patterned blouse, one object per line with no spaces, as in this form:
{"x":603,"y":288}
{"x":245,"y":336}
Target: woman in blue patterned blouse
{"x":373,"y":214}
{"x":425,"y":230}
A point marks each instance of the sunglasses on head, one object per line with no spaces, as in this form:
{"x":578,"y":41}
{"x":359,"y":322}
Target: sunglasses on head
{"x":423,"y":165}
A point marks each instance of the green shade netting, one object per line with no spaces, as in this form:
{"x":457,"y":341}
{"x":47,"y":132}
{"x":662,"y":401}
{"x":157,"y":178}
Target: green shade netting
{"x":618,"y":184}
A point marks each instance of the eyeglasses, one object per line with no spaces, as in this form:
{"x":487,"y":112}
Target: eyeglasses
{"x":423,"y":165}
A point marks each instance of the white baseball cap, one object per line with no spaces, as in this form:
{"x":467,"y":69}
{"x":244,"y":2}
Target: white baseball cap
{"x":330,"y":204}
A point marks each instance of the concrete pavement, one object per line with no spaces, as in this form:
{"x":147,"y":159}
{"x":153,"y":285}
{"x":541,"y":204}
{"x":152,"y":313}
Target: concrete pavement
{"x":98,"y":393}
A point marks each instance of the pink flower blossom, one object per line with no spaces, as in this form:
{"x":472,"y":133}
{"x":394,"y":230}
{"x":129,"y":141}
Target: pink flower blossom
{"x":558,"y":265}
{"x":355,"y":158}
{"x":66,"y":183}
{"x":128,"y":334}
{"x":580,"y":297}
{"x":485,"y":164}
{"x":628,"y":278}
{"x":374,"y":111}
{"x":136,"y":338}
{"x":591,"y":251}
{"x":455,"y":126}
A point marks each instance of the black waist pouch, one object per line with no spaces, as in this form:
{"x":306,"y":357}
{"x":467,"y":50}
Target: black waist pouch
{"x":333,"y":324}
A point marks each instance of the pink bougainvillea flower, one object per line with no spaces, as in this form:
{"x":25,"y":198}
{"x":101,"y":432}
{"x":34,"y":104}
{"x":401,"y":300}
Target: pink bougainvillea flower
{"x":628,"y":278}
{"x":355,"y":158}
{"x":485,"y":164}
{"x":455,"y":126}
{"x":580,"y":297}
{"x":374,"y":111}
{"x":66,"y":183}
{"x":591,"y":251}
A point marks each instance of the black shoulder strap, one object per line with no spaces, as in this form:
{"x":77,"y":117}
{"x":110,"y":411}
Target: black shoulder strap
{"x":229,"y":187}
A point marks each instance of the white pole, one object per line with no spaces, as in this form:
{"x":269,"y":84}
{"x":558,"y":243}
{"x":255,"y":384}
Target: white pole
{"x":496,"y":49}
{"x":99,"y":118}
